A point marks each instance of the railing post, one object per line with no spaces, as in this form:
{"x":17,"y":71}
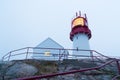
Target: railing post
{"x":67,"y":55}
{"x":59,"y":54}
{"x":2,"y":58}
{"x":91,"y":52}
{"x":27,"y":52}
{"x":118,"y":66}
{"x":9,"y":56}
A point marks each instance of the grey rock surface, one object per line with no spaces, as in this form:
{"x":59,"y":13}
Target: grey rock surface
{"x":21,"y":69}
{"x":26,"y":68}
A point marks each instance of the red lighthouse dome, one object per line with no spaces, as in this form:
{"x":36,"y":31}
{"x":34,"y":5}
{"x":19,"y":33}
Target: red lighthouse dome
{"x":80,"y":25}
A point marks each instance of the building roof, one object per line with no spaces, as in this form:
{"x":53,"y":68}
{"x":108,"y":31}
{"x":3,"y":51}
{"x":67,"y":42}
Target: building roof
{"x":49,"y":43}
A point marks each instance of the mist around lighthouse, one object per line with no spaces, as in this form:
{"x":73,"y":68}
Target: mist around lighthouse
{"x":52,"y":39}
{"x":50,"y":60}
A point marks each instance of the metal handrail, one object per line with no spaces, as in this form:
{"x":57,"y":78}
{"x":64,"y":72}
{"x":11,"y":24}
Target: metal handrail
{"x":115,"y":78}
{"x":12,"y":52}
{"x":8,"y":55}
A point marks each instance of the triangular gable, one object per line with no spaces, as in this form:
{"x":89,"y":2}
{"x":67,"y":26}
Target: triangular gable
{"x":49,"y":43}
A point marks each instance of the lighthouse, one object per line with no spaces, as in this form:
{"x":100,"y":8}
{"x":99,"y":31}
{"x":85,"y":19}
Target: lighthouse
{"x":80,"y":35}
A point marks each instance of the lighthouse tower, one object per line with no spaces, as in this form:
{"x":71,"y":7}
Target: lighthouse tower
{"x":80,"y":35}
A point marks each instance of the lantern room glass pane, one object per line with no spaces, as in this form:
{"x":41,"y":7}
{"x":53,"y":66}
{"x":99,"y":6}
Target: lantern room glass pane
{"x":78,"y":21}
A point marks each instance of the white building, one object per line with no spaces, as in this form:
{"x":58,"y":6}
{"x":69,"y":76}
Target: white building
{"x":49,"y":50}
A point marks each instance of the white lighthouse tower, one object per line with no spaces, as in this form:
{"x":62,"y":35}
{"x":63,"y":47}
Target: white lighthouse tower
{"x":80,"y":35}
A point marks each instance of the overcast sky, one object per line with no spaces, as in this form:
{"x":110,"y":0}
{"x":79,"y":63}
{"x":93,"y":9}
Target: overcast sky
{"x":26,"y":23}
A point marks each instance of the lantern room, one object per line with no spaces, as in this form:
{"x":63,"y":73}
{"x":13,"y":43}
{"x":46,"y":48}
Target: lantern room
{"x":79,"y":25}
{"x":81,"y":21}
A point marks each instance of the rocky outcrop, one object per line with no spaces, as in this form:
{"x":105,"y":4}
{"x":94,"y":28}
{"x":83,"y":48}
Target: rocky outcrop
{"x":20,"y":70}
{"x":31,"y":67}
{"x":14,"y":69}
